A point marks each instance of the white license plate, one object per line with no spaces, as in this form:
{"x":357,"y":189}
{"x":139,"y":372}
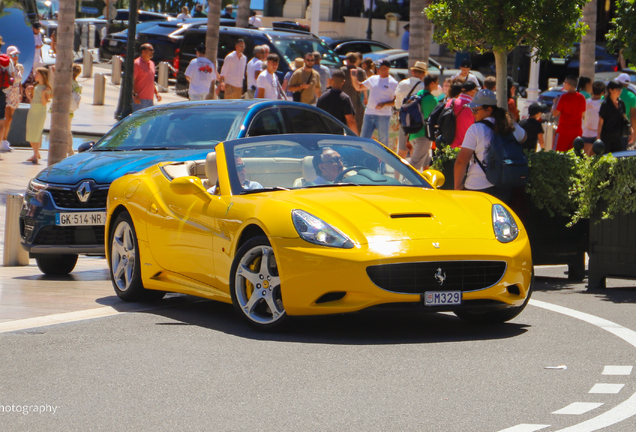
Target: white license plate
{"x":112,"y":43}
{"x":86,"y":218}
{"x":442,"y":298}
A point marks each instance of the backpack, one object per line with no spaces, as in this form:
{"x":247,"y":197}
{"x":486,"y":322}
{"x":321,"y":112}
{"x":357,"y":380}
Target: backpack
{"x":432,"y":122}
{"x":506,"y":165}
{"x":447,"y":122}
{"x":6,"y":71}
{"x":411,"y":117}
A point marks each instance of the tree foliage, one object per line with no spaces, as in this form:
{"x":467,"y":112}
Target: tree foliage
{"x":500,"y":25}
{"x":623,"y":35}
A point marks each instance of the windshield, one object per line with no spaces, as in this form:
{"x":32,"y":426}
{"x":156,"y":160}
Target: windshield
{"x":292,"y":47}
{"x":168,"y":129}
{"x":302,"y":161}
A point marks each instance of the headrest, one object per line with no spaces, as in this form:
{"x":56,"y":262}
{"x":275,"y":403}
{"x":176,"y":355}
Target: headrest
{"x":309,"y":172}
{"x":211,"y":171}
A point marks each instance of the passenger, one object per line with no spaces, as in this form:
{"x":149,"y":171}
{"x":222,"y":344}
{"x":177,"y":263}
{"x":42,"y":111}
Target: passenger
{"x":242,"y":175}
{"x":327,"y":165}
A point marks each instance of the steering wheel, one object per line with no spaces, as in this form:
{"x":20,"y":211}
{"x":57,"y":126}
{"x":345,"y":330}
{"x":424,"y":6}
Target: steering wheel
{"x":340,"y":176}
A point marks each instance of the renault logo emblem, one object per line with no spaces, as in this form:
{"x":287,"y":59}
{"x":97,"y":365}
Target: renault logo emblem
{"x":84,"y":191}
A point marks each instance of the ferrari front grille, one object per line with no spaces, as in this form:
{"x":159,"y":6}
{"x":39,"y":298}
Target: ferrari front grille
{"x":418,"y":277}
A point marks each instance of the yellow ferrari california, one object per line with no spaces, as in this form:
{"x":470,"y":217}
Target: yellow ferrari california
{"x":288,"y":225}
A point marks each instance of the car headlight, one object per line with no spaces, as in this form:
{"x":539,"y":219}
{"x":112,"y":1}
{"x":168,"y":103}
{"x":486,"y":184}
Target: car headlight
{"x":504,"y":224}
{"x":35,"y":187}
{"x":316,"y":231}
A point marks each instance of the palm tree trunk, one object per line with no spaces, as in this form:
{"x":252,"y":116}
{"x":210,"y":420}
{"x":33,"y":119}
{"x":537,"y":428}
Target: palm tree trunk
{"x":60,"y":108}
{"x":501,"y":63}
{"x":417,"y":50}
{"x":243,"y":14}
{"x":588,"y":42}
{"x":212,"y":38}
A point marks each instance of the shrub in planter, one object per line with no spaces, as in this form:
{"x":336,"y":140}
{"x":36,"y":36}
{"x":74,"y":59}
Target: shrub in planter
{"x":444,"y":160}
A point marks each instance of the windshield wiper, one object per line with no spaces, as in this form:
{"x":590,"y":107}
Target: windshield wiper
{"x":154,"y":148}
{"x":105,"y":149}
{"x":333,"y":185}
{"x":265,"y":189}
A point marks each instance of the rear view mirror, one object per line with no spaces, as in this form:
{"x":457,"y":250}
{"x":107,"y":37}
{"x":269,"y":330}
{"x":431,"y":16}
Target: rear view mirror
{"x":85,"y":146}
{"x":434,"y":177}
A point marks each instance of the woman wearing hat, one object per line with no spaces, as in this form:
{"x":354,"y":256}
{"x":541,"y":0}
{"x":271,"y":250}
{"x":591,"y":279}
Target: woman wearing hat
{"x":13,"y":95}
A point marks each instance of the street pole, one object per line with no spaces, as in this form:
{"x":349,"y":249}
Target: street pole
{"x":369,"y":31}
{"x":124,"y":105}
{"x":533,"y":84}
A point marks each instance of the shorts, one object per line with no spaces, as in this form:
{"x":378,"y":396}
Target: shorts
{"x":565,"y":140}
{"x":3,"y":103}
{"x":589,"y":140}
{"x":143,"y":103}
{"x":197,"y":97}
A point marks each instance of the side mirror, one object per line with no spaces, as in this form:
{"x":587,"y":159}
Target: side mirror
{"x":189,"y":185}
{"x":85,"y":146}
{"x":434,"y":177}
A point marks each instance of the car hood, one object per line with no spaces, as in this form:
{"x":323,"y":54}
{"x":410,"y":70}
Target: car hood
{"x":380,"y":214}
{"x":106,"y":166}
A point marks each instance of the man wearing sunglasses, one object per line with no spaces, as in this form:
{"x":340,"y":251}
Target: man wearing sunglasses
{"x":242,"y":176}
{"x":144,"y":79}
{"x":306,"y":81}
{"x":327,"y":165}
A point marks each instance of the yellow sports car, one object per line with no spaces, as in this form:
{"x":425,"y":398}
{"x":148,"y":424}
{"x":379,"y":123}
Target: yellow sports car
{"x":291,"y":225}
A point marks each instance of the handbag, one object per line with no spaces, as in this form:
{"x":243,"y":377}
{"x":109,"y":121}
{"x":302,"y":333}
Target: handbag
{"x":296,"y":94}
{"x":75,"y":101}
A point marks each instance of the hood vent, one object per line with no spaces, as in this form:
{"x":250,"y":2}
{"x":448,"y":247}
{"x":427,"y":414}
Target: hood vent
{"x":411,"y":215}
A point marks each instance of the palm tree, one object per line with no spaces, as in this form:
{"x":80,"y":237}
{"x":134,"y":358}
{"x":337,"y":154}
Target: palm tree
{"x":588,"y":41}
{"x":212,"y":37}
{"x":421,"y":32}
{"x":243,"y":13}
{"x":60,"y":124}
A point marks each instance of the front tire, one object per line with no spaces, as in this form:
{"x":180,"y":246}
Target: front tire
{"x":56,"y":265}
{"x":255,"y":285}
{"x":124,"y":264}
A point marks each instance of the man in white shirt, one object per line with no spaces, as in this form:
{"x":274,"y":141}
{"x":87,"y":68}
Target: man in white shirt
{"x":200,"y":73}
{"x":254,"y":21}
{"x":411,"y":85}
{"x":267,"y":83}
{"x":464,"y":72}
{"x":381,"y":98}
{"x":233,"y":72}
{"x":37,"y":37}
{"x":254,"y":68}
{"x":323,"y":71}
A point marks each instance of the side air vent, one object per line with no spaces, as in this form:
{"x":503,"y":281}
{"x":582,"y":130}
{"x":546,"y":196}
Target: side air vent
{"x":332,"y":296}
{"x":411,"y":215}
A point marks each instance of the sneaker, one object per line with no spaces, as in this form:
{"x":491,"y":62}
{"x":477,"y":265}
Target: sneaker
{"x":5,"y":146}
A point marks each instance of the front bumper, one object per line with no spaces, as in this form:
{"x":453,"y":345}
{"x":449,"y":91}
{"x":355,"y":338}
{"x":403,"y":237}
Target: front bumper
{"x":39,"y":232}
{"x":317,"y":280}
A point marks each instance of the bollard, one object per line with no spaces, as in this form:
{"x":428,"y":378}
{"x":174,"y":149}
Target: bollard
{"x":84,"y":37}
{"x":87,"y":64}
{"x":91,"y":36}
{"x":99,"y":89}
{"x":116,"y":73}
{"x":162,"y":77}
{"x":14,"y":254}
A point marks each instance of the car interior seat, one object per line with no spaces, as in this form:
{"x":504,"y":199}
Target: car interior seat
{"x":309,"y":172}
{"x":211,"y":171}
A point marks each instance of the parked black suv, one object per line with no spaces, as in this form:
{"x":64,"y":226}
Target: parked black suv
{"x":288,"y":44}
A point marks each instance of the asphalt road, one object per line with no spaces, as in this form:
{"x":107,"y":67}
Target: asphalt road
{"x":193,"y":365}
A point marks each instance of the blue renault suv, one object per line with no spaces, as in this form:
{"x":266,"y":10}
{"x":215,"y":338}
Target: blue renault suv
{"x":64,"y":208}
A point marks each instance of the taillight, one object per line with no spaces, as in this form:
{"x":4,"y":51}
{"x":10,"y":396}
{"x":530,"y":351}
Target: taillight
{"x":615,"y":68}
{"x":175,"y":62}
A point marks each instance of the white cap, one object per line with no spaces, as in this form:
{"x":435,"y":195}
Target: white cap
{"x":623,"y":78}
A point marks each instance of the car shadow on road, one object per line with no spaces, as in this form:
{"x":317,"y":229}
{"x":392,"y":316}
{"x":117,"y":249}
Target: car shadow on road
{"x":85,"y":275}
{"x":617,"y":291}
{"x":363,"y":328}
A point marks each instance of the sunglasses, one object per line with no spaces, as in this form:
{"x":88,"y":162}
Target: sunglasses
{"x":240,"y":168}
{"x":309,"y":60}
{"x":334,"y":160}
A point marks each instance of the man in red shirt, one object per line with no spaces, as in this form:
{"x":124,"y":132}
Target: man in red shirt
{"x":144,"y":80}
{"x":570,"y":108}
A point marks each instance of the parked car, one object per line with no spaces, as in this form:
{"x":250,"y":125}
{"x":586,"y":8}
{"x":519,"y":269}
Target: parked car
{"x":287,"y":246}
{"x":287,"y":44}
{"x":120,"y":22}
{"x":291,"y":25}
{"x":64,"y":205}
{"x":603,"y":61}
{"x":399,"y":60}
{"x":166,"y":37}
{"x":606,"y":76}
{"x":344,"y":45}
{"x":116,"y":43}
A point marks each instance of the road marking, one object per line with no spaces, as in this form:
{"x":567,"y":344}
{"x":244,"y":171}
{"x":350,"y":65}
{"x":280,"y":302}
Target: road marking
{"x":606,"y":388}
{"x":525,"y":428}
{"x":619,"y":413}
{"x":618,"y":370}
{"x":578,"y":408}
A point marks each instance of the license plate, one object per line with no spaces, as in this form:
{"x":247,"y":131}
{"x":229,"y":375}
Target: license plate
{"x":112,"y":43}
{"x":442,"y":298}
{"x":86,"y":218}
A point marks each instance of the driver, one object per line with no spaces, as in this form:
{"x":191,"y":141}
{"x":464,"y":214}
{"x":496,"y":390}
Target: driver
{"x":242,"y":176}
{"x":327,"y":165}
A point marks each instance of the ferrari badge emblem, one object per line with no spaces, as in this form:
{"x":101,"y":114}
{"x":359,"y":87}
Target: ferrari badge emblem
{"x":440,"y":276}
{"x":84,"y":191}
{"x":436,"y":245}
